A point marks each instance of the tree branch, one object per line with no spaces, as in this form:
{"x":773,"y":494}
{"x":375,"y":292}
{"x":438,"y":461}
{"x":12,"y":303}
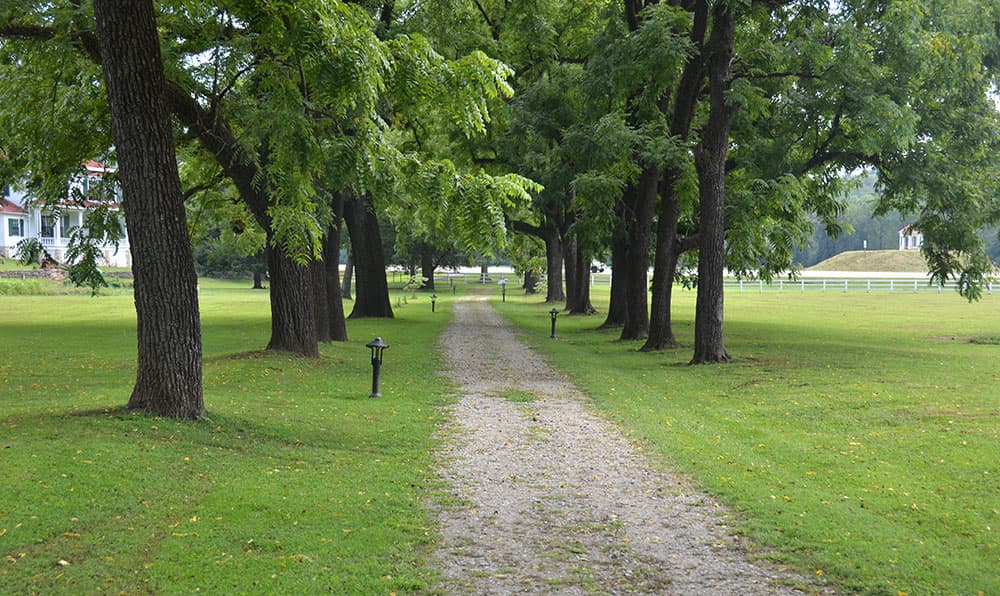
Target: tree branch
{"x":494,"y":30}
{"x":529,"y":229}
{"x":84,"y":40}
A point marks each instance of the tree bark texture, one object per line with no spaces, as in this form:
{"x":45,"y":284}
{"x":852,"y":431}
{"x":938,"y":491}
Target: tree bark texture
{"x":668,"y":250}
{"x":581,"y":304}
{"x":371,"y":291}
{"x":216,"y":135}
{"x":710,"y":162}
{"x":321,"y":300}
{"x":554,"y":267}
{"x":569,"y":247}
{"x":639,"y":204}
{"x":331,"y":262}
{"x":617,"y":306}
{"x":293,"y":325}
{"x":345,"y":286}
{"x":553,"y":258}
{"x":168,"y":380}
{"x":427,"y":266}
{"x":530,"y":280}
{"x":661,"y":333}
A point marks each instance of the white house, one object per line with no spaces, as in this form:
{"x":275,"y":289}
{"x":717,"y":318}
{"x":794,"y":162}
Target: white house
{"x":910,"y":238}
{"x":20,"y":219}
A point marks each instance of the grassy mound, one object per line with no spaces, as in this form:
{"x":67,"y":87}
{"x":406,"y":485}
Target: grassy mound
{"x":874,"y":260}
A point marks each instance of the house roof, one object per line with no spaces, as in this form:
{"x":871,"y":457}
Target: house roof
{"x":95,"y":167}
{"x":85,"y":204}
{"x":9,"y":207}
{"x":908,"y":229}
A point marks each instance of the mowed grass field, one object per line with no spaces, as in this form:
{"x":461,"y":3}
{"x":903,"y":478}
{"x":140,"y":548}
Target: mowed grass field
{"x":855,"y":435}
{"x":297,"y":482}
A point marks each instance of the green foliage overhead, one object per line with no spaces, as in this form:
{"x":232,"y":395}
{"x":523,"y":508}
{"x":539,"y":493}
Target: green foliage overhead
{"x":314,"y":93}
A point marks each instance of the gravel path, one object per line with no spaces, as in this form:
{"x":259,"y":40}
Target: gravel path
{"x":546,"y":497}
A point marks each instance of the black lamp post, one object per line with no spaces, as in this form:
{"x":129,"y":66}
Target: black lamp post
{"x":553,"y":313}
{"x":377,"y":346}
{"x":434,"y":298}
{"x":503,"y":289}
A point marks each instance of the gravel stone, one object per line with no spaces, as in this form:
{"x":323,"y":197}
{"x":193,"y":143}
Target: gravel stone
{"x":546,"y":497}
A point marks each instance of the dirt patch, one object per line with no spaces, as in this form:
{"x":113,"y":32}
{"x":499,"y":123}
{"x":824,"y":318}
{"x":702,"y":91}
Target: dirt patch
{"x":984,"y":340}
{"x":546,"y":497}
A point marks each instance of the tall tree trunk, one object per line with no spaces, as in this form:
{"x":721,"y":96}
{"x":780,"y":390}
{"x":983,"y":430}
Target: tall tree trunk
{"x":569,"y":247}
{"x":168,"y":379}
{"x":661,"y":333}
{"x":371,"y":296}
{"x":581,"y":304}
{"x":345,"y":287}
{"x":331,"y":262}
{"x":638,"y":224}
{"x":618,"y":306}
{"x":553,"y":258}
{"x":553,"y":267}
{"x":427,"y":266}
{"x":320,"y":301}
{"x":258,"y":280}
{"x":293,"y":325}
{"x":710,"y":162}
{"x":331,"y":277}
{"x":530,"y":281}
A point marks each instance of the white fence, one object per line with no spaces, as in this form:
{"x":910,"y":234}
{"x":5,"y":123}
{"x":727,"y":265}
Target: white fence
{"x":804,"y":284}
{"x":845,"y":285}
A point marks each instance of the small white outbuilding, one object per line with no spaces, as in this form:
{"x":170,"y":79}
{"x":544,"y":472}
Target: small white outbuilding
{"x":910,"y":238}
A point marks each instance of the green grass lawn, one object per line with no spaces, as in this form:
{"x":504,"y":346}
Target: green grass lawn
{"x":297,"y":483}
{"x":857,"y":435}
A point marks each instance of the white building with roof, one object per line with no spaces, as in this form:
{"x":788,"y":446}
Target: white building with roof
{"x":21,"y":219}
{"x":910,"y":238}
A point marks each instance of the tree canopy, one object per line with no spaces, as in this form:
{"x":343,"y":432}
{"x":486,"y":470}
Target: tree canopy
{"x":709,"y":134}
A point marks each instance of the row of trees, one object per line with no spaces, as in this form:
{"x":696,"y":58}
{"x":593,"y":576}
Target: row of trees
{"x":299,"y":117}
{"x":716,"y":134}
{"x":710,"y":134}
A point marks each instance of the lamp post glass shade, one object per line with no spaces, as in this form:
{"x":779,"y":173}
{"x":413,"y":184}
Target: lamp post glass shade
{"x":377,"y":347}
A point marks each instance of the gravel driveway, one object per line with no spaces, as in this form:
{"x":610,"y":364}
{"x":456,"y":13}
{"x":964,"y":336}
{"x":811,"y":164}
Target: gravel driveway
{"x":546,"y":497}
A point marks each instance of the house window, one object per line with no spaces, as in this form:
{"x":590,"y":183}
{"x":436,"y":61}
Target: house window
{"x":64,"y":226}
{"x":48,"y":226}
{"x":15,"y":227}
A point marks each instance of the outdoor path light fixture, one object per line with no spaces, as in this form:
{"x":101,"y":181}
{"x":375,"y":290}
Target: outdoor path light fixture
{"x":553,"y":313}
{"x":377,"y":346}
{"x":434,"y":298}
{"x":503,"y":289}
